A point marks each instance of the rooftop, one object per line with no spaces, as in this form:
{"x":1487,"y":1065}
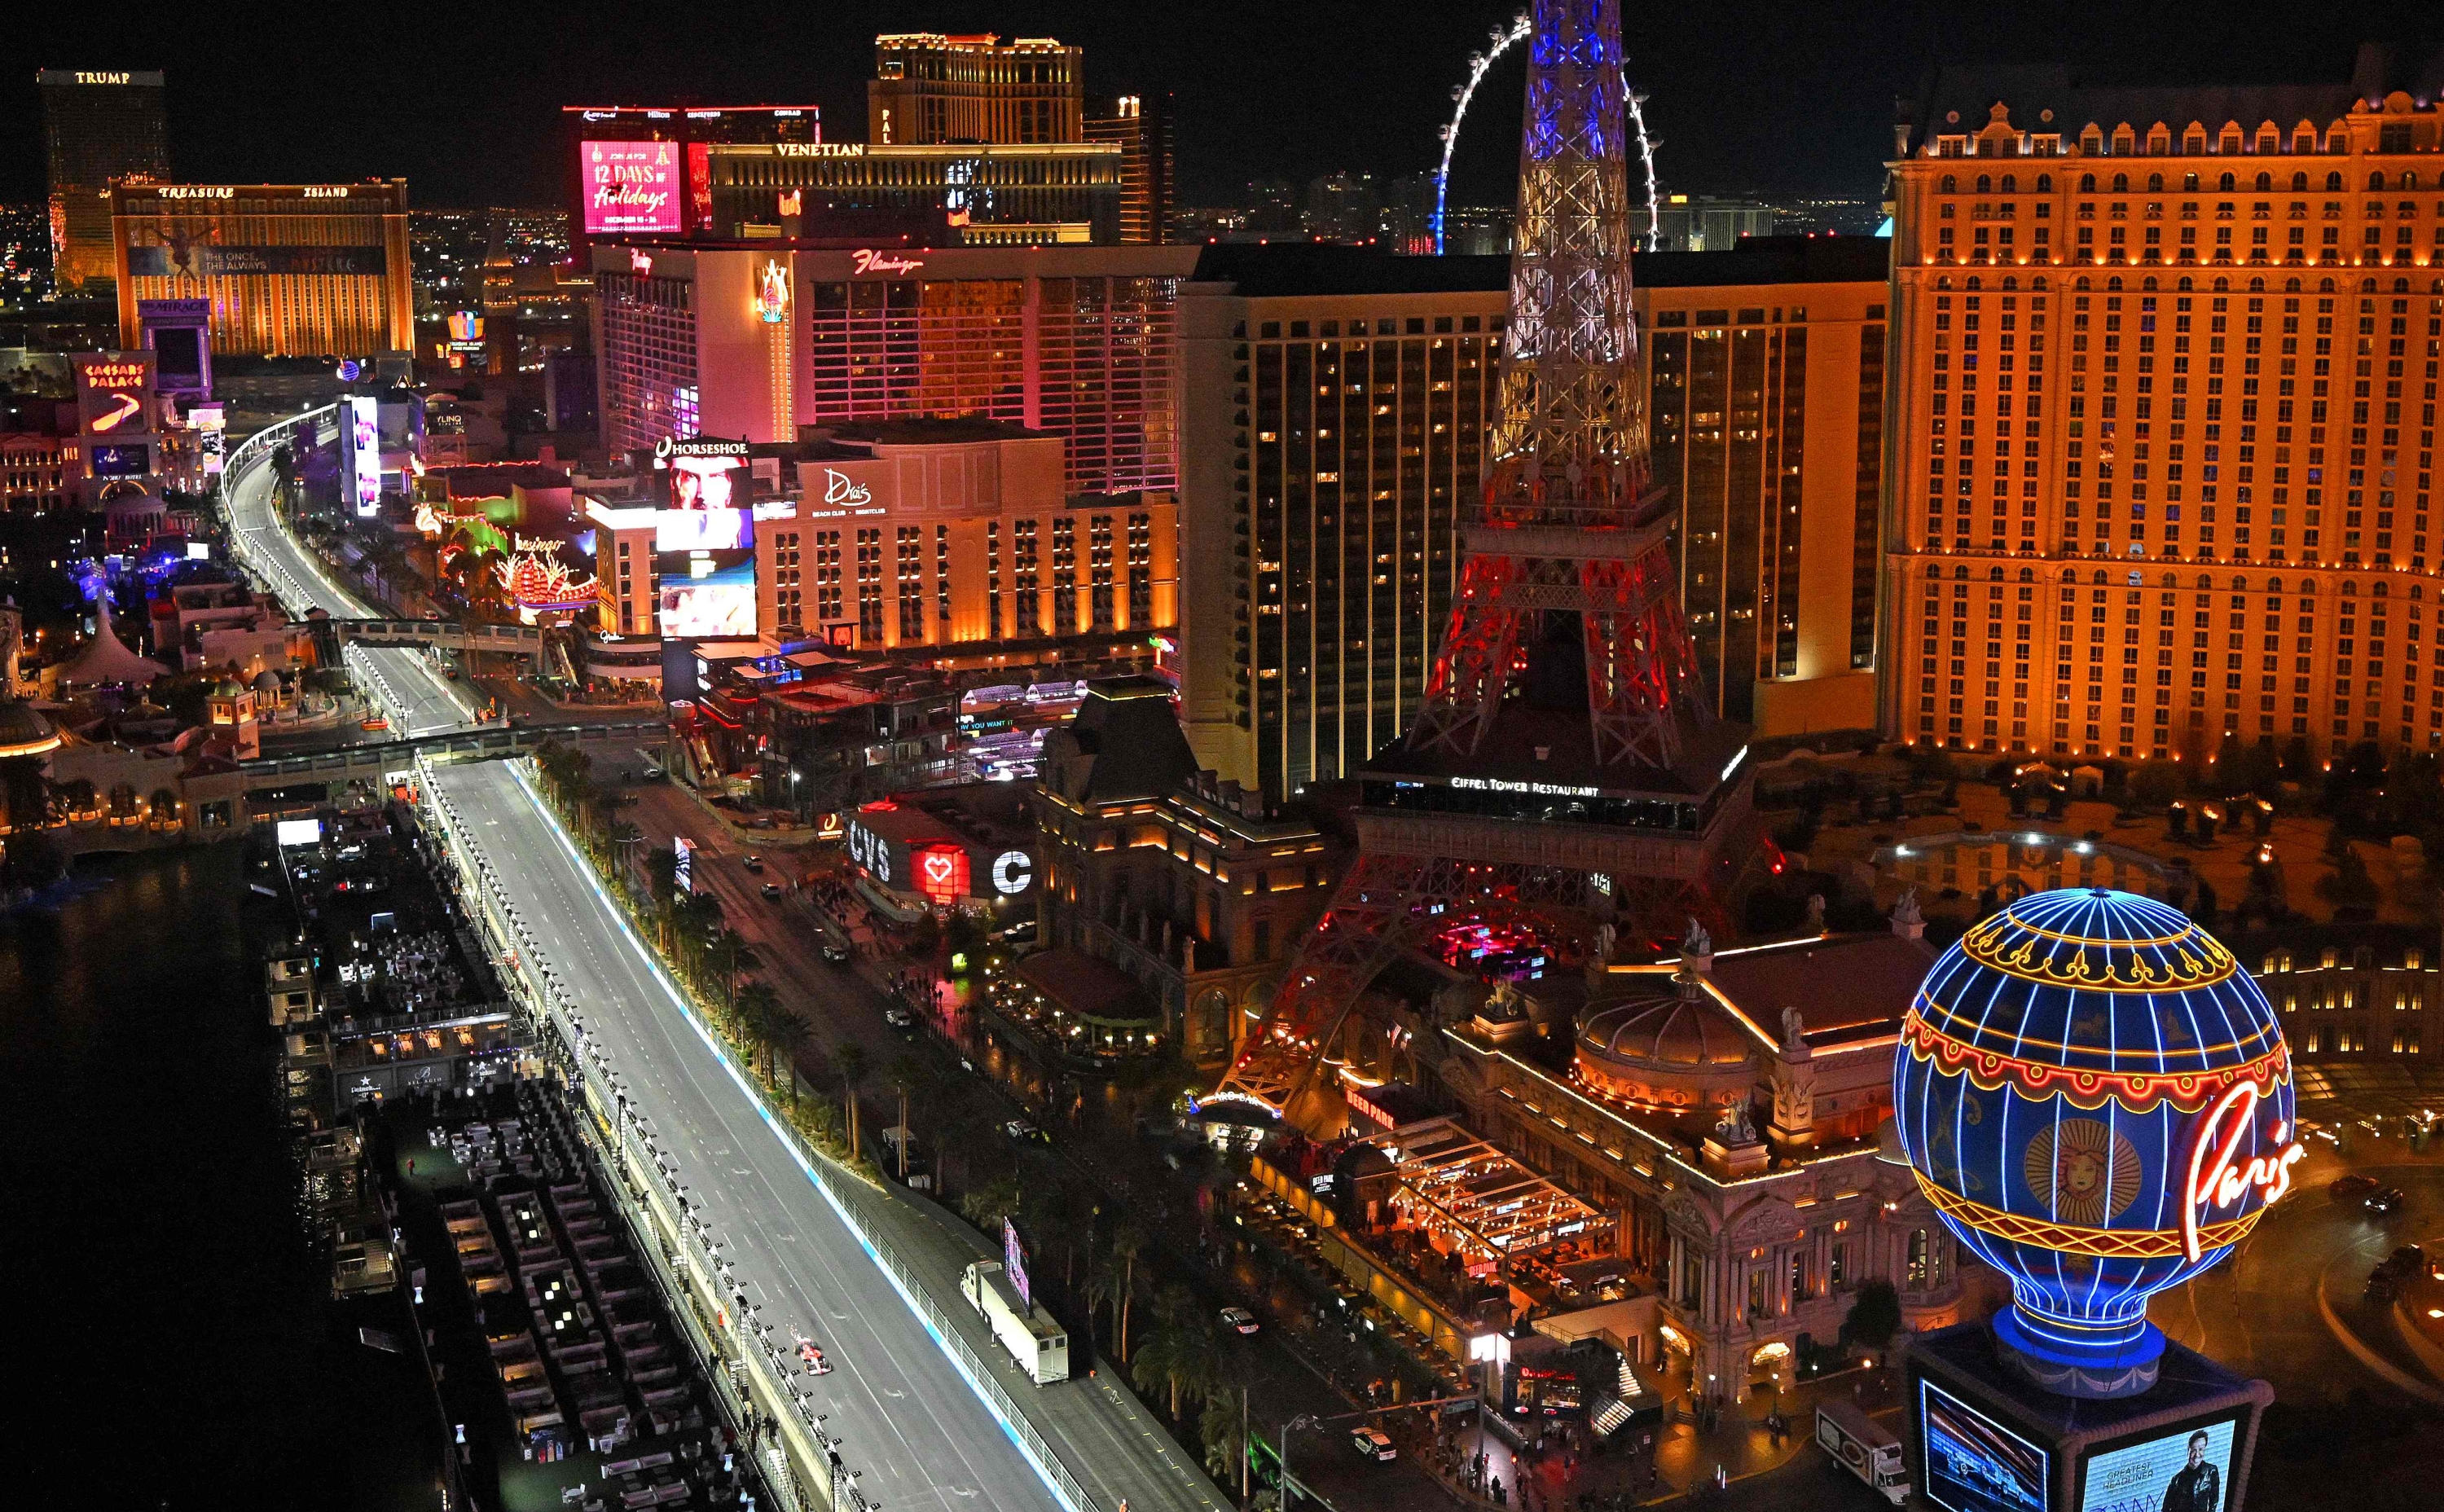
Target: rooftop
{"x":2077,"y":100}
{"x":965,"y":430}
{"x":1769,"y":260}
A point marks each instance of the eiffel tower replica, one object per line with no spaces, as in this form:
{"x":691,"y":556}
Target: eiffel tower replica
{"x":1566,"y":771}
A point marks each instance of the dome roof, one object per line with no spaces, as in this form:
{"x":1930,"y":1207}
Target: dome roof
{"x":266,"y":681}
{"x":24,"y":731}
{"x":2097,"y":982}
{"x":1681,"y":1026}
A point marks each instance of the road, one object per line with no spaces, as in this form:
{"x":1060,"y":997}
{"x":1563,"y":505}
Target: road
{"x":922,"y":1436}
{"x":419,"y":701}
{"x":847,"y":1005}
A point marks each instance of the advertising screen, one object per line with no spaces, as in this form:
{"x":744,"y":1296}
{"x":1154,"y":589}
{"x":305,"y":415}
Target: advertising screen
{"x":706,"y":599}
{"x":362,"y":446}
{"x":1014,"y":1262}
{"x":127,"y":461}
{"x":298,"y":832}
{"x":2182,"y":1469}
{"x":631,"y":187}
{"x":1975,"y":1464}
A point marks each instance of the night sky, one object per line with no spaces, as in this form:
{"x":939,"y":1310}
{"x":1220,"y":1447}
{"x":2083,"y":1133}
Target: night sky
{"x":463,"y":99}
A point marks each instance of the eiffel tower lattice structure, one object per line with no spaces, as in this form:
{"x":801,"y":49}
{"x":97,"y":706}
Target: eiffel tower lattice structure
{"x":1566,"y":770}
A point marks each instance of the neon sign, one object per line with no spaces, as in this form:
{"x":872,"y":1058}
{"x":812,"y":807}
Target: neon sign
{"x":870,"y":261}
{"x":840,"y":489}
{"x":772,"y":293}
{"x":1013,"y":871}
{"x":942,"y":873}
{"x":639,"y":261}
{"x":2217,"y":1179}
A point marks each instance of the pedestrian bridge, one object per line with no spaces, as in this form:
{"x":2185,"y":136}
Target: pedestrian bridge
{"x":518,"y":641}
{"x":374,"y":762}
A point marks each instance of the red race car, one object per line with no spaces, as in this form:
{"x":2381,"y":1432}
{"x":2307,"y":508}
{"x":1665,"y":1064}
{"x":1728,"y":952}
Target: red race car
{"x":816,"y":1364}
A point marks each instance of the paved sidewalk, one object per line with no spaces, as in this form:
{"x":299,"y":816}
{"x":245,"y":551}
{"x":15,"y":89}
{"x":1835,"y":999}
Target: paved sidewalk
{"x":1739,"y":1446}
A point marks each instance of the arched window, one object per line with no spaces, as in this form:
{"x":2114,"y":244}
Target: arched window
{"x":2333,"y":183}
{"x":2121,"y":183}
{"x":2087,"y":183}
{"x":2299,"y":183}
{"x":2409,"y":181}
{"x":2227,"y":183}
{"x":2045,"y":183}
{"x":1948,"y":185}
{"x":2011,"y":184}
{"x":2154,"y":183}
{"x":2265,"y":182}
{"x":2375,"y":180}
{"x":1985,"y":185}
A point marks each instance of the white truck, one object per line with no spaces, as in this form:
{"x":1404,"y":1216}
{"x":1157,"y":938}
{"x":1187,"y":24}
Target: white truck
{"x":1032,"y":1336}
{"x":1865,"y":1448}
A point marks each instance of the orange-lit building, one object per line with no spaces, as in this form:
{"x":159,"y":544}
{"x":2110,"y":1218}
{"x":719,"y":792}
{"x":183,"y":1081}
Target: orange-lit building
{"x":2162,"y":432}
{"x":959,"y":534}
{"x":291,"y":269}
{"x":928,"y":88}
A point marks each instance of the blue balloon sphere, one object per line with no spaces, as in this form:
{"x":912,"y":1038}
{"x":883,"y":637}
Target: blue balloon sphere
{"x":2097,"y":1100}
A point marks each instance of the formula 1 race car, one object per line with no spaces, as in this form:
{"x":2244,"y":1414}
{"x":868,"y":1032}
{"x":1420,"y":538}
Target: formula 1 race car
{"x":816,"y":1364}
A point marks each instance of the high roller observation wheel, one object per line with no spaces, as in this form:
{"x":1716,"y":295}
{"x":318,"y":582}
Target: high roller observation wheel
{"x":1479,"y":65}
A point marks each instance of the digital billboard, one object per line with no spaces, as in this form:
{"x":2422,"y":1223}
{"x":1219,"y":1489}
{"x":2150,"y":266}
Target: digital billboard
{"x":632,"y":188}
{"x":126,"y":460}
{"x":2178,"y":1469}
{"x":361,"y":454}
{"x":704,"y":597}
{"x":1975,"y":1464}
{"x":298,"y":832}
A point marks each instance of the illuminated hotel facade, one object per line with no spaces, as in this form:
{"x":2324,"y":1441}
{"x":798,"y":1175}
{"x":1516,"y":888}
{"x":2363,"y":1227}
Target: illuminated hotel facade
{"x":98,"y":127}
{"x":1335,"y":403}
{"x":959,"y":533}
{"x":2163,"y":428}
{"x":289,"y":270}
{"x":755,"y":341}
{"x":995,"y":196}
{"x":928,"y":88}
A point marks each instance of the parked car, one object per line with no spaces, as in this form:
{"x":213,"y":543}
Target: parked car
{"x":372,"y":722}
{"x":2384,"y":1201}
{"x":2355,"y":1185}
{"x":1373,"y":1444}
{"x":1025,"y":1133}
{"x":837,"y":955}
{"x":1238,"y":1320}
{"x":899,"y":1019}
{"x":651,"y":774}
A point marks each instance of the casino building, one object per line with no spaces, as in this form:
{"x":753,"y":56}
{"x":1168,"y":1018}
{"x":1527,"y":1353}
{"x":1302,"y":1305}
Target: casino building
{"x":1690,"y":1155}
{"x":2163,"y":430}
{"x":288,"y":270}
{"x":1335,"y":402}
{"x":757,"y":341}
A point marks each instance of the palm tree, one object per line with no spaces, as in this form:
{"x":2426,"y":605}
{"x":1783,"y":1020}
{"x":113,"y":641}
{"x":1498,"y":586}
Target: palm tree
{"x":752,"y":1025}
{"x":987,"y":1206}
{"x":662,"y":882}
{"x":1102,"y":1285}
{"x":1182,"y":1355}
{"x":850,"y":1061}
{"x":785,"y":1036}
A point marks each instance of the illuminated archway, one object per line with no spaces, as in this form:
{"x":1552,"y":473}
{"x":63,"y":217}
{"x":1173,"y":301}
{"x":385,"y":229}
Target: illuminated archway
{"x":1479,"y":65}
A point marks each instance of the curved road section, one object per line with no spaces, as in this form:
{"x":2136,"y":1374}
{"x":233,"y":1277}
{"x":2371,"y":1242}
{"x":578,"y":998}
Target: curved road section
{"x":906,"y":1415}
{"x":417,"y":702}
